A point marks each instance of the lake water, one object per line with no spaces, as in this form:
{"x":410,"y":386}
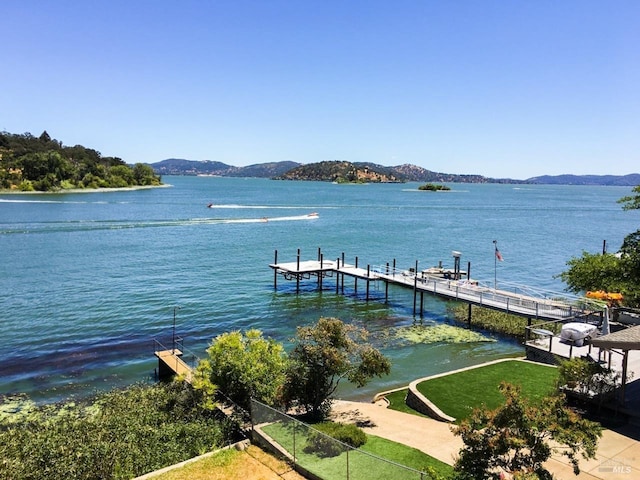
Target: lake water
{"x":88,"y":280}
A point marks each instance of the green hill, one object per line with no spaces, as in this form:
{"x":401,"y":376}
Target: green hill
{"x":29,"y":163}
{"x":342,"y":172}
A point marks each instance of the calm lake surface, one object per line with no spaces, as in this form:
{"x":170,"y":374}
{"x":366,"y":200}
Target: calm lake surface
{"x":89,"y":280}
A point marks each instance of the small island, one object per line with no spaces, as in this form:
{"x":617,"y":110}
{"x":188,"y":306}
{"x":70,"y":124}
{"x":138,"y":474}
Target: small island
{"x":338,"y":171}
{"x":42,"y":164}
{"x":434,"y":187}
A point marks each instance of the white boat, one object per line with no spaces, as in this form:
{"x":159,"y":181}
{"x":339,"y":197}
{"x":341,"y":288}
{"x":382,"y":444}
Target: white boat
{"x":446,"y":273}
{"x":577,"y":333}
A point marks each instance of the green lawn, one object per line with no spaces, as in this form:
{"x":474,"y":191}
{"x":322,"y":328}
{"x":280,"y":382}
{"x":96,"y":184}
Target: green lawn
{"x":397,"y":401}
{"x":360,"y":465}
{"x":457,"y":394}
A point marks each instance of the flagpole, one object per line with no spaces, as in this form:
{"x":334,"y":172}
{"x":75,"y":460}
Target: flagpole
{"x":495,"y":264}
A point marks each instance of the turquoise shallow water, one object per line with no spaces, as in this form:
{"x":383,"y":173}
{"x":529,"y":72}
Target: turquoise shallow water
{"x":88,"y":280}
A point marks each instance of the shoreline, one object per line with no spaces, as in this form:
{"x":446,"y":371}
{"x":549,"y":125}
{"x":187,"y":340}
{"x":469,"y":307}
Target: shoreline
{"x":87,"y":190}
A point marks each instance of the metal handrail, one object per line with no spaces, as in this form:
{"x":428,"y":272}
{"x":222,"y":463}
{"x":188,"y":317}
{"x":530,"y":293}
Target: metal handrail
{"x":195,"y":358}
{"x":533,"y":299}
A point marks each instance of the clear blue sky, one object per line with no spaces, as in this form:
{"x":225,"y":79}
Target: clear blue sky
{"x":498,"y":88}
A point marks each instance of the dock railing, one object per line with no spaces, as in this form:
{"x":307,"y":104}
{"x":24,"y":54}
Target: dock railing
{"x":181,"y":354}
{"x":316,"y":454}
{"x":519,"y":300}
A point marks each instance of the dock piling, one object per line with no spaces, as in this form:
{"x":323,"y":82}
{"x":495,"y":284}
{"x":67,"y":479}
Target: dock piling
{"x":386,"y":287}
{"x":275,"y":272}
{"x":298,"y":276}
{"x":355,"y":283}
{"x":415,"y":288}
{"x":368,"y":275}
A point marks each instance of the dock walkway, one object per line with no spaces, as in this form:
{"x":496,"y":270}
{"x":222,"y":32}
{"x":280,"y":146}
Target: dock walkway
{"x":544,"y":307}
{"x":172,"y":361}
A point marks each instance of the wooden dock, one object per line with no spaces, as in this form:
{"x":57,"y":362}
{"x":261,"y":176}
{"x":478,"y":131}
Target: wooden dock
{"x":543,"y":308}
{"x":170,"y":363}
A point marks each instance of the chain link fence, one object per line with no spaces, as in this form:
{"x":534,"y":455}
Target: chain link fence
{"x":317,"y":455}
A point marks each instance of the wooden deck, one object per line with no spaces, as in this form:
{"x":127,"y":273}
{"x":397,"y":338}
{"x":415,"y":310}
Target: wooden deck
{"x":547,"y":349}
{"x":610,"y":359}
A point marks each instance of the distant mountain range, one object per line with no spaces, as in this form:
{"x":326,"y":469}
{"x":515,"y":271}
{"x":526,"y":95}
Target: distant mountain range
{"x":342,"y":171}
{"x":630,"y":180}
{"x":179,"y":166}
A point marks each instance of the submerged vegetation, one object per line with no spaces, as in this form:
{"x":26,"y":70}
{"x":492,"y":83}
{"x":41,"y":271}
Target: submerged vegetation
{"x":29,"y":163}
{"x":436,"y":333}
{"x":490,"y":320}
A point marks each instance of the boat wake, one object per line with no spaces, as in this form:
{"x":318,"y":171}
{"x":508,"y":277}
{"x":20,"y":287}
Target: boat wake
{"x":262,"y":207}
{"x":79,"y":226}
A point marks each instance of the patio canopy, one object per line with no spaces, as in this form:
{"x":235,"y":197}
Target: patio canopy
{"x":626,"y":339}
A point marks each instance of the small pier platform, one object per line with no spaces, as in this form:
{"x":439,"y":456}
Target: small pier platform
{"x":312,"y":268}
{"x":320,"y":269}
{"x":170,"y":364}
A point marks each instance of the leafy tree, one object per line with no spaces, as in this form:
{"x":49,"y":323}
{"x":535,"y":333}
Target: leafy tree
{"x":630,"y":256}
{"x":593,"y":272}
{"x":30,"y":163}
{"x":588,"y":378}
{"x":243,"y":367}
{"x":121,"y":175}
{"x":324,"y":354}
{"x":515,"y":438}
{"x":631,"y":202}
{"x":144,"y":175}
{"x":613,"y":273}
{"x":44,"y":137}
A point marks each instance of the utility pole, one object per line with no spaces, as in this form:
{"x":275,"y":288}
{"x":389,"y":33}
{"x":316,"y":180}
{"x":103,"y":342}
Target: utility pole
{"x":173,"y":343}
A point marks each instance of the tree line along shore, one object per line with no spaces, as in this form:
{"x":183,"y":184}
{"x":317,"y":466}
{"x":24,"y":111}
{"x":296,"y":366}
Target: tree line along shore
{"x":43,"y":164}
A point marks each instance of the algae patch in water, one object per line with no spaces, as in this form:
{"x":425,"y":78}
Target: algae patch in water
{"x":440,"y":333}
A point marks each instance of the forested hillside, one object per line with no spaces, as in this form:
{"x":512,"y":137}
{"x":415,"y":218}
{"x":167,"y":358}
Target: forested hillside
{"x":29,"y":163}
{"x":179,"y":166}
{"x":341,"y":172}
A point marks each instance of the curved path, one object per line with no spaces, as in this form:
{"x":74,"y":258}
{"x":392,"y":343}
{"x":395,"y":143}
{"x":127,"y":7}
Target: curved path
{"x":618,"y":454}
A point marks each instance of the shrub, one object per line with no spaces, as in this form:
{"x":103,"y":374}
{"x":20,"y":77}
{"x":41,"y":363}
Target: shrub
{"x":587,"y":378}
{"x":322,"y":445}
{"x":322,"y":439}
{"x":123,"y":434}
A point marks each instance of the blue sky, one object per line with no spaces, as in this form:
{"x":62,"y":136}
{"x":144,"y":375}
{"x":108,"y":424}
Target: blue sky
{"x":498,"y":88}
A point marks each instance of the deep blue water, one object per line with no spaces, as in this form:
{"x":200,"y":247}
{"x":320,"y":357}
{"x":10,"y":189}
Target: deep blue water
{"x":88,"y":280}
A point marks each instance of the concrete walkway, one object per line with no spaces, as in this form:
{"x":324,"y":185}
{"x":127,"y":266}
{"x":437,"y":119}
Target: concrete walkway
{"x":618,"y":455}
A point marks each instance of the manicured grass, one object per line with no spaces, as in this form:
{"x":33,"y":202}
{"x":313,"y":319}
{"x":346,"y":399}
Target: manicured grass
{"x":408,"y":456}
{"x":459,"y":393}
{"x":360,"y":465}
{"x":397,"y":401}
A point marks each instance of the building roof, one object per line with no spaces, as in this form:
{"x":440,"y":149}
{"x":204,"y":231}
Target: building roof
{"x":627,"y":339}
